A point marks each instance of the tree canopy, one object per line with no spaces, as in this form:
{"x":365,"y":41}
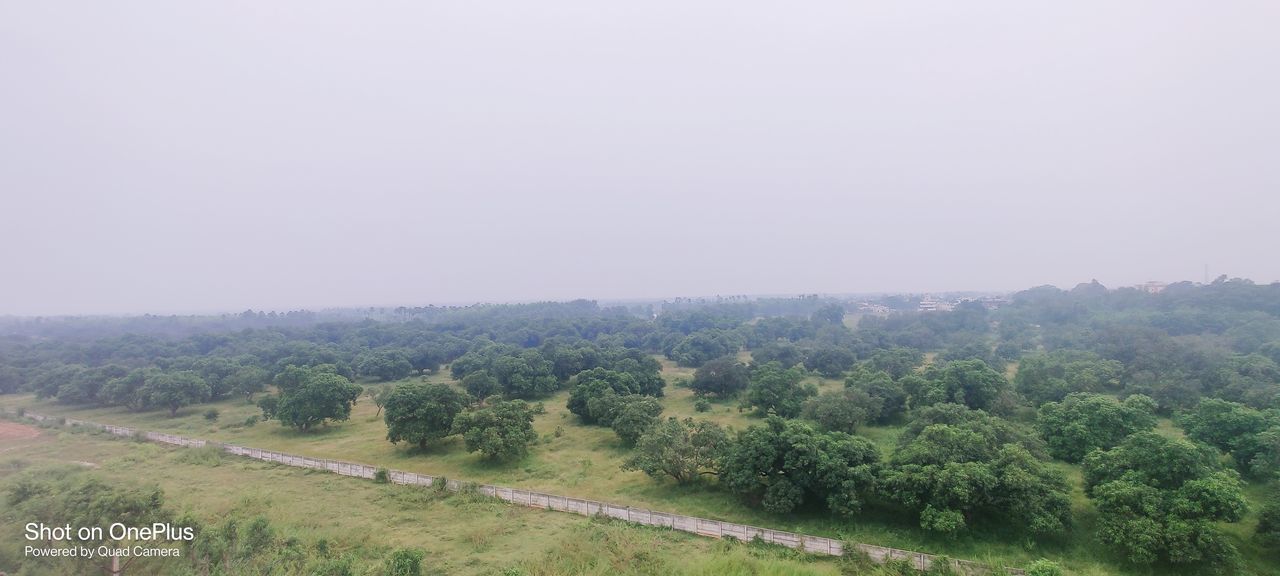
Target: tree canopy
{"x":1159,"y":499}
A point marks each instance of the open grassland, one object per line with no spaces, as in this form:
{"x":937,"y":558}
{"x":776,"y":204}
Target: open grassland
{"x":461,"y":534}
{"x":584,"y":461}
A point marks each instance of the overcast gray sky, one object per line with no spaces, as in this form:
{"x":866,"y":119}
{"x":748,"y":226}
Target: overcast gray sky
{"x":204,"y":156}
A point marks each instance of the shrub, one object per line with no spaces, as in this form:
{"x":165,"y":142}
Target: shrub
{"x":381,"y":476}
{"x":404,"y":562}
{"x":702,"y":405}
{"x":251,"y":421}
{"x":211,"y":414}
{"x":1044,"y":567}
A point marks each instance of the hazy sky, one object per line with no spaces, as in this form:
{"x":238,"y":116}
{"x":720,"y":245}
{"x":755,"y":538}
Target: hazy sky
{"x":207,"y":156}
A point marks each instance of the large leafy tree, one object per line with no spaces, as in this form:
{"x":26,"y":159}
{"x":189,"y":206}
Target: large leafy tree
{"x":419,"y":412}
{"x":723,"y":376}
{"x":830,"y":361}
{"x":633,"y":416}
{"x":831,"y":314}
{"x":500,"y":431}
{"x":247,"y":381}
{"x":968,"y":382}
{"x":704,"y":345}
{"x":1251,"y":436}
{"x":898,"y":362}
{"x":683,"y":450}
{"x":784,"y":464}
{"x":778,"y":390}
{"x":954,"y":466}
{"x":1083,"y":422}
{"x":129,"y":390}
{"x":1159,"y":499}
{"x":843,"y":410}
{"x":1051,"y":377}
{"x":384,"y":365}
{"x":311,"y":396}
{"x":526,"y":375}
{"x":594,"y":383}
{"x":480,"y":384}
{"x":175,"y":390}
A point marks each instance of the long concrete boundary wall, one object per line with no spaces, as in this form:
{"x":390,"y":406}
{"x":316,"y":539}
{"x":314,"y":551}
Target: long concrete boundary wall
{"x":701,"y":526}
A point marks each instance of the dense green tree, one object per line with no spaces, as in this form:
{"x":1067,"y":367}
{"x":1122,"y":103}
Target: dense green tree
{"x":1251,"y":436}
{"x":594,"y":383}
{"x":420,"y":412}
{"x":784,"y":464}
{"x":1051,"y":377}
{"x":11,"y":380}
{"x":526,"y":375}
{"x":843,"y":410}
{"x":311,"y":396}
{"x":897,"y":361}
{"x":830,"y":361}
{"x":955,"y":466}
{"x":500,"y":431}
{"x":384,"y":365}
{"x":127,"y":390}
{"x":1159,"y":499}
{"x":968,"y":382}
{"x":84,"y":385}
{"x":683,"y":450}
{"x":880,"y":386}
{"x":778,"y":390}
{"x":216,"y":371}
{"x":1222,"y":424}
{"x":700,"y":347}
{"x":175,"y":390}
{"x":480,"y":384}
{"x":1084,"y":422}
{"x":831,"y":314}
{"x":247,"y":381}
{"x":634,"y":416}
{"x":782,"y":352}
{"x":723,"y":376}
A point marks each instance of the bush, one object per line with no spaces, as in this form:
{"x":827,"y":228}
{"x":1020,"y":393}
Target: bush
{"x":702,"y":405}
{"x":381,"y":476}
{"x":404,"y":562}
{"x":1044,"y":567}
{"x":251,"y":421}
{"x":211,"y":414}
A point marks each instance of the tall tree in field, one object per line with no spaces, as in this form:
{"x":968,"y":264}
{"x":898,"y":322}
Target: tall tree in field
{"x":683,"y":450}
{"x":176,"y":390}
{"x":778,"y":390}
{"x":1160,"y":499}
{"x":311,"y":396}
{"x":419,"y":413}
{"x":783,"y":464}
{"x":1084,"y":422}
{"x":723,"y":376}
{"x":501,"y":431}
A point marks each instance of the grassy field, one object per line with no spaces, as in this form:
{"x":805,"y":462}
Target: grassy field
{"x":461,"y":534}
{"x":584,"y":461}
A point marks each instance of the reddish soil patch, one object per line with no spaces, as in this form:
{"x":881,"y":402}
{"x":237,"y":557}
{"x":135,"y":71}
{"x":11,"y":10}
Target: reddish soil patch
{"x":13,"y":430}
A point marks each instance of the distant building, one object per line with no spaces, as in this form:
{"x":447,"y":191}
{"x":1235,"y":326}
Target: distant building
{"x":877,"y":309}
{"x":931,"y":304}
{"x":1152,"y":287}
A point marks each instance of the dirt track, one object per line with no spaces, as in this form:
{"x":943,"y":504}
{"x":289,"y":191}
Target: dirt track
{"x":15,"y":431}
